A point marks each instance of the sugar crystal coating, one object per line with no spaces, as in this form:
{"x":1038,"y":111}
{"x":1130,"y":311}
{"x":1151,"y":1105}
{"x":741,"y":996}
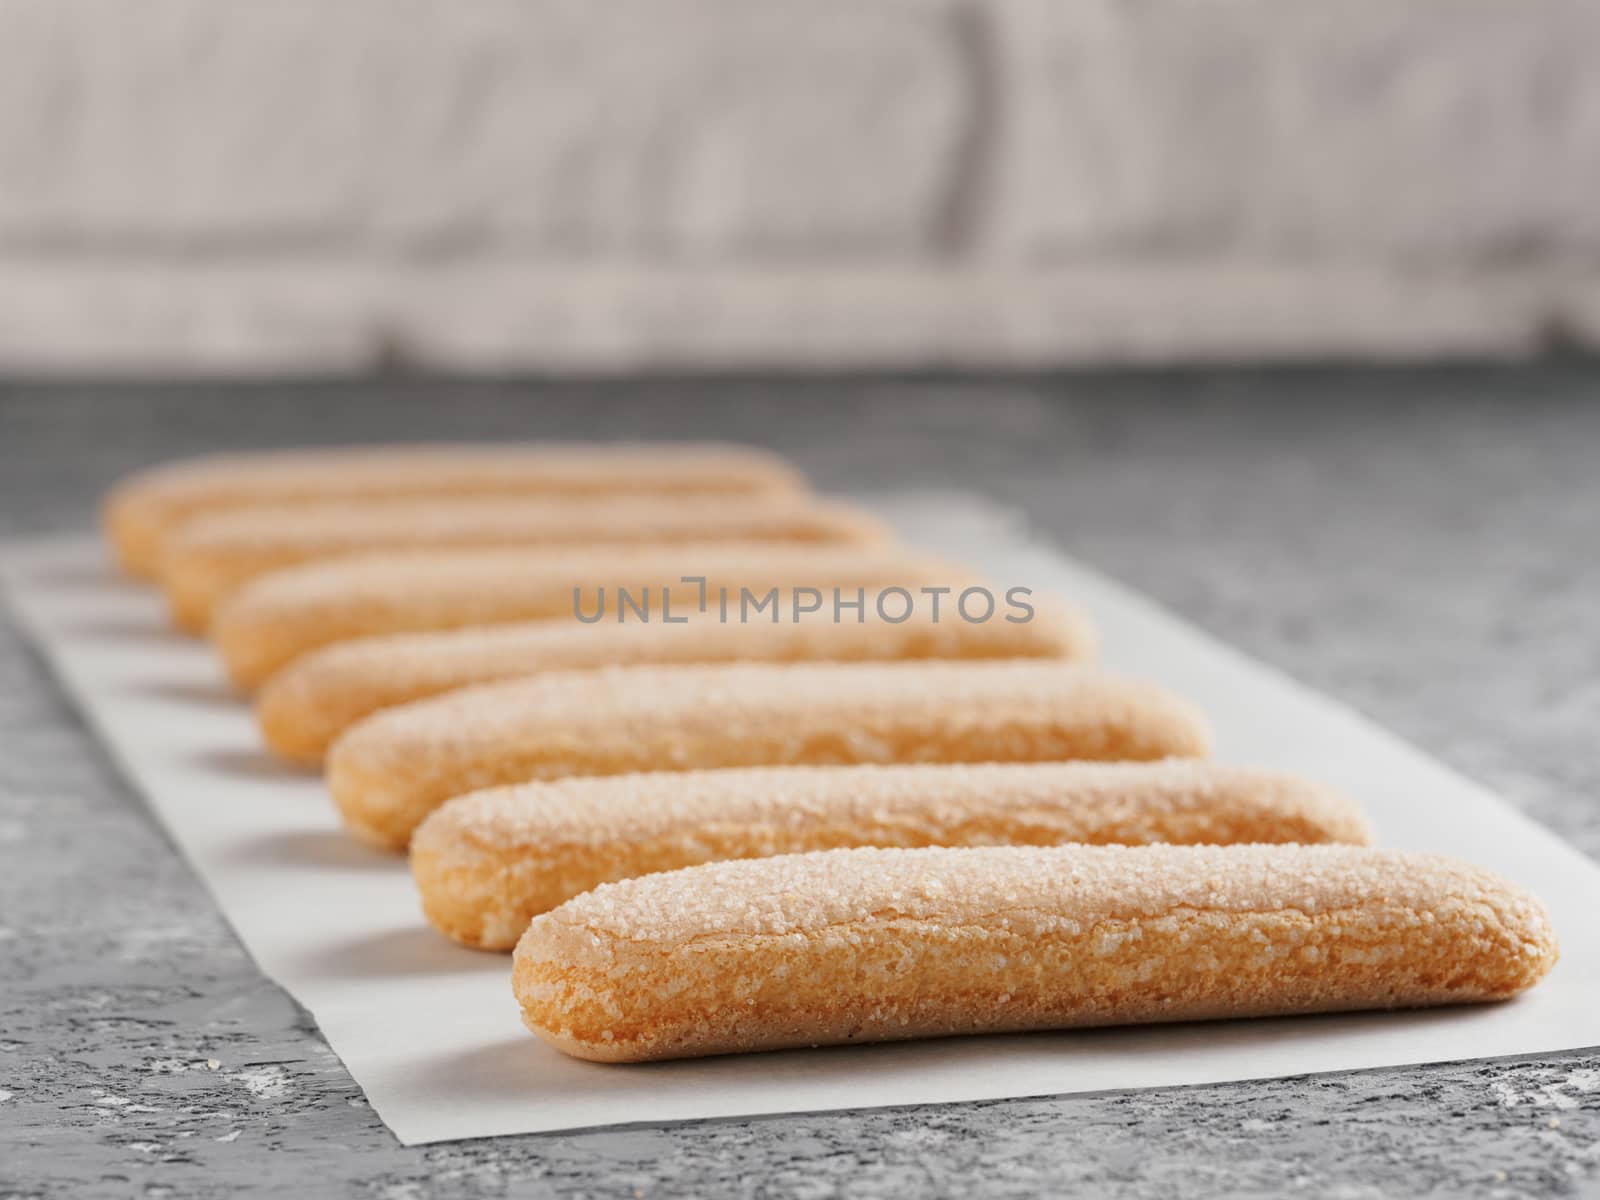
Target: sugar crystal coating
{"x":144,"y":507}
{"x":305,"y":706}
{"x":388,"y":772}
{"x":867,"y":944}
{"x":488,"y":862}
{"x":284,"y":614}
{"x":211,"y":556}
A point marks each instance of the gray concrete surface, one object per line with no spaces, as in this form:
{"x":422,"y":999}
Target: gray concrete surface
{"x":1423,"y":545}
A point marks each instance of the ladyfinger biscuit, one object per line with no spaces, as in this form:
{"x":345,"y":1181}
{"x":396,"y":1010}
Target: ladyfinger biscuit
{"x":871,"y":945}
{"x":310,"y":702}
{"x":280,"y":616}
{"x":489,"y":862}
{"x":145,"y":506}
{"x":391,"y":770}
{"x":209,"y":557}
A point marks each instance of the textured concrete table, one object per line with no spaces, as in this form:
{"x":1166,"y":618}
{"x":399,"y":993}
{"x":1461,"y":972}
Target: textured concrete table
{"x":1426,"y":546}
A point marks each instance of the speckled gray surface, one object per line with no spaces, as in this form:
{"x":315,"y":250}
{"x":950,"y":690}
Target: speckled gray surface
{"x":1424,"y":545}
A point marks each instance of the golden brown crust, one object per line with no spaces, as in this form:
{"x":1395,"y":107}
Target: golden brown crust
{"x":489,"y":862}
{"x":140,"y":510}
{"x":211,"y":556}
{"x":865,"y":945}
{"x":305,"y":706}
{"x":391,"y":770}
{"x":285,"y":614}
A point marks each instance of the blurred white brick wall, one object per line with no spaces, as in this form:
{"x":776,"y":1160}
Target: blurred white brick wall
{"x":612,"y":184}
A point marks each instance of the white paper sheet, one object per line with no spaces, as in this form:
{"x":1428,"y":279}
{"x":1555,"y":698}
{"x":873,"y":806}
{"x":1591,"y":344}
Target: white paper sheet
{"x":431,"y":1032}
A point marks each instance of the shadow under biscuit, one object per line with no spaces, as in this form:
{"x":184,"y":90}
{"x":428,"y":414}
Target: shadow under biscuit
{"x":81,"y":576}
{"x":505,"y":1070}
{"x":126,"y":630}
{"x":206,"y":695}
{"x":403,"y":951}
{"x":316,"y":848}
{"x":252,"y":764}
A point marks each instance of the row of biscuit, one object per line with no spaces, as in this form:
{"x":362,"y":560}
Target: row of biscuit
{"x":704,"y":832}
